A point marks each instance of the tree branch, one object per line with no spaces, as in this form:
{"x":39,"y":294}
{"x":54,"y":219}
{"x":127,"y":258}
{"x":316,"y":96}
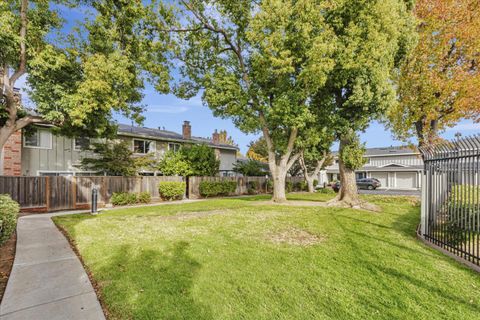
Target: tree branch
{"x":25,"y":121}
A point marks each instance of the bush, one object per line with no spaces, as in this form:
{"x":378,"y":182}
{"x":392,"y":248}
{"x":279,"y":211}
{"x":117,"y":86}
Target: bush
{"x":326,"y":191}
{"x":8,"y":217}
{"x":253,"y":187}
{"x":217,"y":188}
{"x":289,"y":186}
{"x":144,"y":197}
{"x":315,"y":183}
{"x":172,"y":190}
{"x":123,"y":198}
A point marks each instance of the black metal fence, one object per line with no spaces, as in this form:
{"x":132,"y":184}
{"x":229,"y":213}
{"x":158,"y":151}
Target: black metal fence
{"x":450,"y":197}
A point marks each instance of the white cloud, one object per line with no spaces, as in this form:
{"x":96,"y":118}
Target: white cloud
{"x":167,"y":109}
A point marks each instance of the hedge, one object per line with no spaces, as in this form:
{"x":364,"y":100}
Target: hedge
{"x":217,"y":188}
{"x":123,"y":198}
{"x":126,"y":198}
{"x":172,"y":190}
{"x":8,"y":217}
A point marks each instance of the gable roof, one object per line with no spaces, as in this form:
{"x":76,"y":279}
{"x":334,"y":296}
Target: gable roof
{"x":387,"y":151}
{"x":165,"y":135}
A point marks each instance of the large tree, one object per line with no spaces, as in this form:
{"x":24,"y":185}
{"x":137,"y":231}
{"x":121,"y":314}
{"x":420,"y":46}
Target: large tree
{"x":76,"y":81}
{"x":439,"y":83}
{"x":258,"y":63}
{"x":372,"y":37}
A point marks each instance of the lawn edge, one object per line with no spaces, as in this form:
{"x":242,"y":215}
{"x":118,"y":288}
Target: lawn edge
{"x":447,"y":253}
{"x":96,"y":286}
{"x":10,"y":243}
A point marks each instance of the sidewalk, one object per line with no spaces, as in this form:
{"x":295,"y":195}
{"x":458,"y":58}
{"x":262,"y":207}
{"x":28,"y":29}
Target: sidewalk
{"x":47,"y":280}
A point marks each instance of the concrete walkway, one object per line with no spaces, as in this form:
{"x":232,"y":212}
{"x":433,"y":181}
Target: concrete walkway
{"x":47,"y":280}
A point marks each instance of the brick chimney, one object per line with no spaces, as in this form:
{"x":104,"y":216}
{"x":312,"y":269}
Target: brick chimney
{"x":216,"y":137}
{"x":187,"y":130}
{"x":12,"y":155}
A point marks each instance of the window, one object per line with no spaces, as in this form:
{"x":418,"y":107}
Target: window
{"x":174,"y":146}
{"x":38,"y":138}
{"x":143,"y":146}
{"x":80,"y":144}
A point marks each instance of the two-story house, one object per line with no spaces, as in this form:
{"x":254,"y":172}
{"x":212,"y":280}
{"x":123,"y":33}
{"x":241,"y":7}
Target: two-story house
{"x":43,"y":153}
{"x":395,"y":167}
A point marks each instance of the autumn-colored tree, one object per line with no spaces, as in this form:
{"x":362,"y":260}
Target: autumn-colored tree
{"x":439,"y":83}
{"x":257,"y":150}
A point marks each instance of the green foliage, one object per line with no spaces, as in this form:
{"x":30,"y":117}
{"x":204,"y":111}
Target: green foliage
{"x":289,"y":186}
{"x":251,"y":168}
{"x":175,"y":164}
{"x":326,"y":191}
{"x":9,"y":210}
{"x":116,"y":159}
{"x":217,"y":188}
{"x":172,"y":190}
{"x":80,"y":77}
{"x":202,"y":160}
{"x":253,"y":187}
{"x":123,"y":198}
{"x":352,"y":154}
{"x":144,"y":197}
{"x":192,"y":160}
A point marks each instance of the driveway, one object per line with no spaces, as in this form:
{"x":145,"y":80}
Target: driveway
{"x":391,"y":192}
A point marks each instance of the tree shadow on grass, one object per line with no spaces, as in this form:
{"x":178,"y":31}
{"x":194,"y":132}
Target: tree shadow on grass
{"x":385,"y":276}
{"x":148,"y":284}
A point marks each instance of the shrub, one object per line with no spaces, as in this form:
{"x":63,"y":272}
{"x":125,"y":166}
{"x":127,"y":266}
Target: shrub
{"x":253,"y":187}
{"x":326,"y":191}
{"x":8,"y":217}
{"x":171,"y":190}
{"x":289,"y":186}
{"x":123,"y":198}
{"x":315,"y":183}
{"x":303,"y":186}
{"x":217,"y":188}
{"x":144,"y":197}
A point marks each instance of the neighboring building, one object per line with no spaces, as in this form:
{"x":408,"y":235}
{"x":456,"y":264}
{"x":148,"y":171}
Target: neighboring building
{"x":395,"y":167}
{"x":44,"y":153}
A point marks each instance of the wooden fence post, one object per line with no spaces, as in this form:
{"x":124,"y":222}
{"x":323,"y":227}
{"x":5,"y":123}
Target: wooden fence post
{"x":47,"y":193}
{"x":74,"y":192}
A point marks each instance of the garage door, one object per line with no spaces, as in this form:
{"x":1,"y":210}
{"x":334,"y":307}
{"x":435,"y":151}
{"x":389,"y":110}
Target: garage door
{"x":382,"y":177}
{"x":406,"y":180}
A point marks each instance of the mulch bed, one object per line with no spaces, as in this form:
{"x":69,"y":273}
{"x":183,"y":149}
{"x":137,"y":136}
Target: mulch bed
{"x":7,"y":254}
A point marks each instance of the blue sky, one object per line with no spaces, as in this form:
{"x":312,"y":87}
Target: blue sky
{"x":170,"y":112}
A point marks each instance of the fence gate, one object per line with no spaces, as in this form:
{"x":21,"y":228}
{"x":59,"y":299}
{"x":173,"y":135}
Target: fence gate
{"x":450,"y":197}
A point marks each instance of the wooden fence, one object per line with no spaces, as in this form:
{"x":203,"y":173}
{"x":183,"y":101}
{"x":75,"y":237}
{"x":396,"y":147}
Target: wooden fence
{"x":45,"y":194}
{"x":242,"y":184}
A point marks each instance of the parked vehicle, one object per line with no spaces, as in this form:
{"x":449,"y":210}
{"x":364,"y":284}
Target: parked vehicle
{"x":366,"y":183}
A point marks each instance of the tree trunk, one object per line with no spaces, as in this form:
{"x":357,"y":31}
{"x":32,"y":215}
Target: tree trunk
{"x":279,"y":175}
{"x":311,"y":187}
{"x":5,"y":133}
{"x":348,"y":193}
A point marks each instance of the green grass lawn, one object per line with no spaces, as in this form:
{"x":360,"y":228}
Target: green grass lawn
{"x":238,"y":259}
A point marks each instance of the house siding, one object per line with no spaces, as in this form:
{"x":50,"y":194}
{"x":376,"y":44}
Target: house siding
{"x":395,"y":171}
{"x":62,"y":157}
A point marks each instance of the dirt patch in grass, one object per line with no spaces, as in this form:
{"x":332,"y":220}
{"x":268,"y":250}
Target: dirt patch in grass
{"x":293,"y":203}
{"x":187,"y":215}
{"x":295,"y":237}
{"x":7,"y":255}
